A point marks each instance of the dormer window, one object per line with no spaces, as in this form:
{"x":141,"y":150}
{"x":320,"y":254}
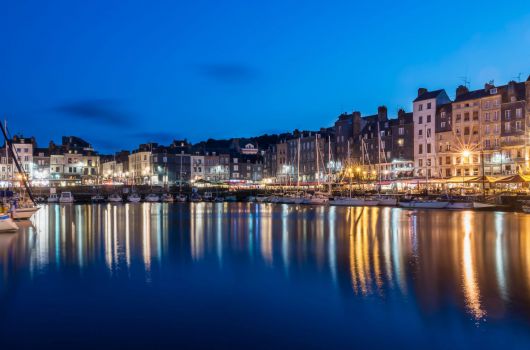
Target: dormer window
{"x":493,"y":91}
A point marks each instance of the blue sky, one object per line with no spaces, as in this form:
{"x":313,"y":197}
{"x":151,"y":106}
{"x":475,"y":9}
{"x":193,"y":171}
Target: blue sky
{"x":119,"y":73}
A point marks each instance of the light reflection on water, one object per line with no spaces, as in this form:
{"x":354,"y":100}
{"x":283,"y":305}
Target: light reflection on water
{"x":475,"y":263}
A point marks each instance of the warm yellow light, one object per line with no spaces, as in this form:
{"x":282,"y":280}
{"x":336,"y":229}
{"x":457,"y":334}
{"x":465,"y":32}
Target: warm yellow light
{"x":466,"y":153}
{"x":358,"y":169}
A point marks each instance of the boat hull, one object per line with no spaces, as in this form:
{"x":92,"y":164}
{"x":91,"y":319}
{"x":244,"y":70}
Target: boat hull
{"x":7,"y":224}
{"x":24,"y":213}
{"x":354,"y":202}
{"x":424,"y":205}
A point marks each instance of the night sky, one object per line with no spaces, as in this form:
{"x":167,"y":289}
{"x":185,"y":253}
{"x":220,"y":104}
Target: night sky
{"x":118,"y":73}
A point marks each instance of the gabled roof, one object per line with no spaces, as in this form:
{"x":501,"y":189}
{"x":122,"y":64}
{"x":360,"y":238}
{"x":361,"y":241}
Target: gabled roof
{"x":473,"y":95}
{"x":429,"y":95}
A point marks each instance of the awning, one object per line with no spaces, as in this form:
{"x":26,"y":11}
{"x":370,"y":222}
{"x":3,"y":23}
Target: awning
{"x":460,"y":179}
{"x":512,"y":179}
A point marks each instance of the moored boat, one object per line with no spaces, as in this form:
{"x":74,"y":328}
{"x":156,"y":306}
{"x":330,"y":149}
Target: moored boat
{"x":24,"y":213}
{"x":66,"y":197}
{"x":53,"y":198}
{"x":355,"y":201}
{"x":152,"y":197}
{"x":134,"y":197}
{"x":180,"y":198}
{"x":424,"y":204}
{"x":167,"y":198}
{"x":7,"y":224}
{"x":97,"y":199}
{"x":115,"y":198}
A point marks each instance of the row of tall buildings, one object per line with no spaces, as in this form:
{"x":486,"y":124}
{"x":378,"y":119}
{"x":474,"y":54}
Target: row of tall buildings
{"x":477,"y":132}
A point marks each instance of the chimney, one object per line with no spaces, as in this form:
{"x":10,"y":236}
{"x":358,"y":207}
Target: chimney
{"x":421,"y":91}
{"x":488,"y":86}
{"x":401,"y":113}
{"x":356,"y":123}
{"x":381,"y":113}
{"x":461,"y":90}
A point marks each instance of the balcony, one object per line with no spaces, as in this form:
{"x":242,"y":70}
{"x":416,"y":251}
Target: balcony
{"x":511,"y":143}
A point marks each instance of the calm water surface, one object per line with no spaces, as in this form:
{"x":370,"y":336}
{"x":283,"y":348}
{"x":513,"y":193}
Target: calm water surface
{"x":265,"y":276}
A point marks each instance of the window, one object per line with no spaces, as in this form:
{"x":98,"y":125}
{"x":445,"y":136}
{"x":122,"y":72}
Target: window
{"x":448,"y":160}
{"x":420,"y":107}
{"x":466,"y":130}
{"x":487,"y":129}
{"x":507,"y":114}
{"x":420,"y":162}
{"x":442,"y":115}
{"x":428,"y":132}
{"x":420,"y":149}
{"x":429,"y":118}
{"x":458,"y":117}
{"x":420,"y":120}
{"x":428,"y":148}
{"x":400,"y":142}
{"x":442,"y":124}
{"x":429,"y":105}
{"x":493,"y":91}
{"x":420,"y":133}
{"x":401,"y":131}
{"x":518,"y":126}
{"x":519,"y":113}
{"x":466,"y":116}
{"x":475,"y":115}
{"x":487,"y":116}
{"x":496,"y":115}
{"x":507,"y":127}
{"x":487,"y":144}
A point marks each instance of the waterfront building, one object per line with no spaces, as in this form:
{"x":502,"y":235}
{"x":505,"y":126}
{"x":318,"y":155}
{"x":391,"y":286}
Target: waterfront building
{"x":347,"y":129}
{"x":424,"y":110}
{"x":140,"y":170}
{"x":23,"y":147}
{"x":246,"y":167}
{"x":41,"y":167}
{"x":74,"y":162}
{"x":386,"y":146}
{"x":170,"y":168}
{"x":514,"y":138}
{"x":197,"y":167}
{"x":216,"y":167}
{"x":6,"y":168}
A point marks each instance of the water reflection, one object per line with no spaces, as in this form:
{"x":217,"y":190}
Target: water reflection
{"x":477,"y":262}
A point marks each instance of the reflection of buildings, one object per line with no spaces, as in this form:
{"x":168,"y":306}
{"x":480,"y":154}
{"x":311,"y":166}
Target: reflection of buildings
{"x":478,"y":261}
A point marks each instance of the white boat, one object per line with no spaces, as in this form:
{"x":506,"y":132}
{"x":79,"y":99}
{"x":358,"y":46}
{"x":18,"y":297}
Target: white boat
{"x":469,"y":205}
{"x":134,"y":197}
{"x":97,"y":199}
{"x":66,"y":197}
{"x":152,"y":197}
{"x":424,"y":204}
{"x":53,"y":198}
{"x":7,"y":224}
{"x":167,"y":198}
{"x":208,"y":196}
{"x":526,"y":208}
{"x":261,"y":198}
{"x":115,"y":198}
{"x":180,"y":198}
{"x":390,"y":201}
{"x":24,"y":213}
{"x":251,"y":199}
{"x":316,"y":199}
{"x":355,"y":201}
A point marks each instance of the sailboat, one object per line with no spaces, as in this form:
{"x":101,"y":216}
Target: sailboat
{"x":21,"y":210}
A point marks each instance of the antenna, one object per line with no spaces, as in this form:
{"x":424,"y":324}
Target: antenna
{"x":518,"y":77}
{"x":465,"y":81}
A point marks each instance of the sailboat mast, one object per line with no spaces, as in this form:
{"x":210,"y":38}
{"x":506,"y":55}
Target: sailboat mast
{"x":298,"y":165}
{"x":17,"y":164}
{"x":318,"y":165}
{"x":329,"y":164}
{"x":379,"y":156}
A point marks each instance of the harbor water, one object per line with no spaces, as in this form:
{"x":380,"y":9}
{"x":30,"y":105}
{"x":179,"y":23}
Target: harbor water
{"x":246,"y":275}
